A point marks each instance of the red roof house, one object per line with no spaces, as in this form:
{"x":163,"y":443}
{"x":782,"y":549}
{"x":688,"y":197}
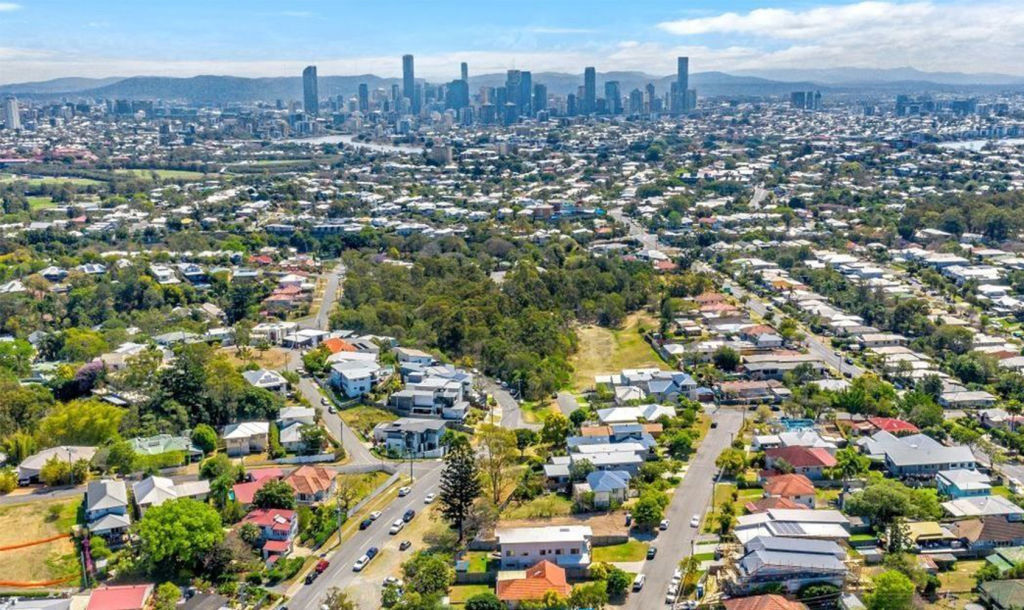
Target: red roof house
{"x":893,"y":426}
{"x":795,"y":487}
{"x":311,"y":483}
{"x":541,"y":578}
{"x":125,"y":597}
{"x":763,"y":602}
{"x":808,"y":461}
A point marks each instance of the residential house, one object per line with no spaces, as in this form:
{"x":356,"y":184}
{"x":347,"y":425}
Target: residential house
{"x":267,"y":380}
{"x":29,"y":468}
{"x":166,"y":443}
{"x":801,"y":523}
{"x":106,"y":509}
{"x":752,"y":391}
{"x":808,"y":461}
{"x":246,"y":437}
{"x":123,"y":597}
{"x":154,"y":491}
{"x":278,"y":528}
{"x":963,"y":483}
{"x":609,"y":487}
{"x":916,"y":455}
{"x":411,"y":436}
{"x":1002,"y":594}
{"x":983,"y":506}
{"x":408,"y":354}
{"x":981,"y":535}
{"x":567,"y":546}
{"x":312,"y":484}
{"x":290,"y":422}
{"x":791,"y":562}
{"x":769,"y":601}
{"x":794,"y":487}
{"x":356,"y":374}
{"x":245,"y":492}
{"x":533,"y":585}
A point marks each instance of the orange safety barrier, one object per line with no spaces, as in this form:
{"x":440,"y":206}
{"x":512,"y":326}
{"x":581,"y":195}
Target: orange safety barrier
{"x":38,"y":583}
{"x":34,"y":542}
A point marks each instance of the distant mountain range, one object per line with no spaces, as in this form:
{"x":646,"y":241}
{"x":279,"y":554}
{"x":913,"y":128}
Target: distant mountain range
{"x":755,"y":83}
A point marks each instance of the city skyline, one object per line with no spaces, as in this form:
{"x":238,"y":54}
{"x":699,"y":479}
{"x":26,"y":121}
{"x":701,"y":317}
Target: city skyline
{"x":91,"y":40}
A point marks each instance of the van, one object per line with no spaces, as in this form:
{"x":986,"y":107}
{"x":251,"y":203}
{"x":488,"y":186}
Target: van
{"x":638,"y":582}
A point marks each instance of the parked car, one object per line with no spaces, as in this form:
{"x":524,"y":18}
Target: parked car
{"x":695,"y":521}
{"x":396,"y":527}
{"x":638,"y":582}
{"x":404,"y":491}
{"x":404,"y":545}
{"x":430,"y":498}
{"x":651,"y":552}
{"x":331,"y":409}
{"x":311,"y":577}
{"x":375,"y":515}
{"x":663,"y":525}
{"x":360,"y":563}
{"x":409,"y":514}
{"x":321,"y":566}
{"x":324,"y":401}
{"x":393,"y":581}
{"x":670,"y":595}
{"x":365,"y":523}
{"x":372,"y":552}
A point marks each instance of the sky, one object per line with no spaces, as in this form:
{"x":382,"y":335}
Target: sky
{"x":44,"y":39}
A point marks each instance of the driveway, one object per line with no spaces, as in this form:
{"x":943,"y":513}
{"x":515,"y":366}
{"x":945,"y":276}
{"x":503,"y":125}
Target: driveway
{"x":511,"y":415}
{"x":691,"y":498}
{"x":567,"y":403}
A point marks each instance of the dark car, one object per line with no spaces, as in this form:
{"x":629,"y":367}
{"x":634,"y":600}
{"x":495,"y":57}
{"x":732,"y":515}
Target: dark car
{"x":311,"y":577}
{"x":651,"y":552}
{"x":404,"y":545}
{"x":372,"y":552}
{"x":714,"y":424}
{"x":365,"y":523}
{"x":409,"y":514}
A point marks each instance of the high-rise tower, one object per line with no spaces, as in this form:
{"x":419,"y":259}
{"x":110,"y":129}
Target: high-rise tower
{"x":310,"y":93}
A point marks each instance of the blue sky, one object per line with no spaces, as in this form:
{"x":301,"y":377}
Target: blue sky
{"x":42,"y":39}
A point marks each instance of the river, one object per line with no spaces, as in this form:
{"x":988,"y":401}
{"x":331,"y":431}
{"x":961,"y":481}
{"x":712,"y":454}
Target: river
{"x":977,"y":145}
{"x":350,"y":140}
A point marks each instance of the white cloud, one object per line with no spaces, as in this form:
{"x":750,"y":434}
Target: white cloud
{"x":9,"y":6}
{"x":550,"y":30}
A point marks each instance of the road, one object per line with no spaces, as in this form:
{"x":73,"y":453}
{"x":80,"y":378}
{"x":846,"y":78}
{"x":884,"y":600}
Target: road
{"x":759,"y":195}
{"x":691,"y":498}
{"x":511,"y":414}
{"x":648,"y":240}
{"x":339,"y":573}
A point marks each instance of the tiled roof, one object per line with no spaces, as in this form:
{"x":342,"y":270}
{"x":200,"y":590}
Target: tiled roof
{"x":802,"y":457}
{"x":789,"y":485}
{"x":127,"y":597}
{"x":310,"y":479}
{"x":541,"y":578}
{"x":763,"y":602}
{"x":766,"y":504}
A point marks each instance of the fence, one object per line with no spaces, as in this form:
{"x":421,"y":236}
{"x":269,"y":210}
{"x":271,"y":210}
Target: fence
{"x":306,"y":459}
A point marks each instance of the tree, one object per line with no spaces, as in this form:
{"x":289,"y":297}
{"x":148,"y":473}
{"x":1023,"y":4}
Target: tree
{"x":849,"y":464}
{"x":55,"y":471}
{"x":921,"y":409}
{"x":617,"y":581}
{"x":428,"y":574}
{"x":82,"y":344}
{"x":250,"y":533}
{"x":524,"y":438}
{"x":590,"y":595}
{"x":726,"y":358}
{"x":731,"y":461}
{"x":178,"y":533}
{"x":121,"y":457}
{"x":81,"y":422}
{"x":892,"y":591}
{"x":497,"y":455}
{"x":579,"y":469}
{"x":16,"y":356}
{"x":204,"y":437}
{"x":886,"y":499}
{"x":680,"y":444}
{"x":577,"y":417}
{"x":166,"y":596}
{"x":275,"y":494}
{"x":218,"y":465}
{"x":484,"y":601}
{"x":460,"y":485}
{"x":8,"y":480}
{"x":336,"y":599}
{"x":649,"y":510}
{"x":555,"y":429}
{"x":313,"y":438}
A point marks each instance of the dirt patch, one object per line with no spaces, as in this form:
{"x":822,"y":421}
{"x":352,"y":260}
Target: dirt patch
{"x":42,"y":562}
{"x":603,"y":524}
{"x":605,"y":350}
{"x":274,"y":358}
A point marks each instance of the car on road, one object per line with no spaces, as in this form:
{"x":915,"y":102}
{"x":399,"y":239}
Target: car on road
{"x":663,"y":525}
{"x":651,"y":552}
{"x":322,"y":565}
{"x":331,"y":409}
{"x":405,"y":545}
{"x":375,"y":515}
{"x":365,"y":523}
{"x":695,"y":521}
{"x":429,"y":498}
{"x":311,"y":577}
{"x":714,"y":424}
{"x":324,"y":401}
{"x":409,"y":514}
{"x":404,"y":491}
{"x":396,"y":527}
{"x":848,"y":360}
{"x":638,"y":582}
{"x":372,"y":552}
{"x":360,"y":563}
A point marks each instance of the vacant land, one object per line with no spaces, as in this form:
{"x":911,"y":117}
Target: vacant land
{"x":535,"y":412}
{"x":39,"y":203}
{"x":363,"y":419}
{"x":274,"y":358}
{"x":603,"y":350}
{"x":541,"y":507}
{"x":633,"y":550}
{"x":44,"y":562}
{"x":37,"y":182}
{"x":164,"y":174}
{"x":362,"y":484}
{"x":459,"y":594}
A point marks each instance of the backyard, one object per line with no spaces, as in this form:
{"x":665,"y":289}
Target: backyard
{"x":363,"y":419}
{"x":603,"y":350}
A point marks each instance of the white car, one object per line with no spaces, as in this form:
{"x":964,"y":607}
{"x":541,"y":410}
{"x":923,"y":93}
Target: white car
{"x":670,"y":595}
{"x":695,"y":521}
{"x":396,"y":527}
{"x":430,"y":498}
{"x":404,"y":491}
{"x":360,"y":563}
{"x":638,"y":582}
{"x":375,"y":515}
{"x":663,"y":525}
{"x":324,"y":401}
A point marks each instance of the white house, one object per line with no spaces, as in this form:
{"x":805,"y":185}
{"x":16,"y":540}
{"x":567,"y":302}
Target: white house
{"x":246,"y":437}
{"x":567,"y":546}
{"x":268,"y":380}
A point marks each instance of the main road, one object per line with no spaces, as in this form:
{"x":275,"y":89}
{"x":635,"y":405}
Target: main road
{"x":691,"y":498}
{"x":339,"y":573}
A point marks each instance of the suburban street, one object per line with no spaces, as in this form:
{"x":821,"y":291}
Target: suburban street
{"x":567,"y":402}
{"x":511,"y":414}
{"x":340,"y":573}
{"x":690,"y":498}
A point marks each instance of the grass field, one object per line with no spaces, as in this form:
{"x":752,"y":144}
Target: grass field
{"x":960,"y":579}
{"x":459,"y":594}
{"x":363,"y":483}
{"x":164,"y":174}
{"x":37,"y":182}
{"x":604,"y":350}
{"x":49,"y":561}
{"x":39,"y":203}
{"x":535,"y":412}
{"x":274,"y":358}
{"x":633,"y":550}
{"x":541,"y":507}
{"x":364,"y":419}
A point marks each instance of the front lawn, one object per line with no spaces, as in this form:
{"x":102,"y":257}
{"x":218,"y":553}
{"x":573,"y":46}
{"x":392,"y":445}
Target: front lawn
{"x":479,"y":561}
{"x":632,"y":550}
{"x":363,"y":419}
{"x":541,"y":507}
{"x":460,"y":594}
{"x":961,"y":578}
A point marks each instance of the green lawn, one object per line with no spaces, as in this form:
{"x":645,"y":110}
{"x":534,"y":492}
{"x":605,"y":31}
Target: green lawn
{"x":362,"y":484}
{"x":603,"y":350}
{"x":363,"y":419}
{"x":478,"y":561}
{"x":962,"y":577}
{"x":1001,"y":490}
{"x":632,"y":550}
{"x":165,"y":174}
{"x":550,"y":505}
{"x":37,"y":182}
{"x":824,"y":497}
{"x":535,"y":412}
{"x":39,"y":203}
{"x":459,"y":594}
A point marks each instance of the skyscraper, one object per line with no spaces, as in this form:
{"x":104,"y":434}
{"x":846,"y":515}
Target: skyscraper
{"x":310,"y":94}
{"x":364,"y":98}
{"x":457,"y":95}
{"x":589,"y":90}
{"x":684,"y":99}
{"x":540,"y":97}
{"x":12,"y":118}
{"x":683,"y":73}
{"x":409,"y":83}
{"x":613,"y":97}
{"x":514,"y":89}
{"x":465,"y":72}
{"x":526,"y":94}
